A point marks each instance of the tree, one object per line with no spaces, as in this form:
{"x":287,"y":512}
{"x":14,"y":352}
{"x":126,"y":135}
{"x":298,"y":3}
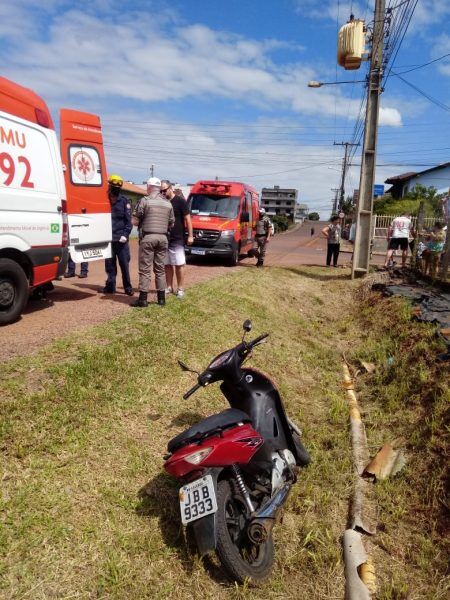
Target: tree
{"x":348,"y":206}
{"x":314,"y":216}
{"x":281,"y":223}
{"x":386,"y":205}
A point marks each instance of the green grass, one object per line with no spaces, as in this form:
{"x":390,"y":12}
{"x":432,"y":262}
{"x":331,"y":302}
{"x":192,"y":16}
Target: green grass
{"x":407,"y":396}
{"x":87,"y":511}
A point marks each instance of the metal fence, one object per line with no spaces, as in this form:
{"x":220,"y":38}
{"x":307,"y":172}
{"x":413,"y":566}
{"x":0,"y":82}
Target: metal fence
{"x":381,"y":223}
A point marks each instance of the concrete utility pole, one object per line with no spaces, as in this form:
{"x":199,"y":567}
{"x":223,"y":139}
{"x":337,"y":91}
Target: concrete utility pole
{"x":334,"y":207}
{"x":344,"y":172}
{"x":152,"y":168}
{"x":361,"y":255}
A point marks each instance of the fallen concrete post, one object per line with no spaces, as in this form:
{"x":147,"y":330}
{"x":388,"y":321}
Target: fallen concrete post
{"x":354,"y":557}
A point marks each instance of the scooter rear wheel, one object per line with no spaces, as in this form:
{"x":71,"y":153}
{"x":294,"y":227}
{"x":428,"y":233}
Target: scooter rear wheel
{"x":241,"y":559}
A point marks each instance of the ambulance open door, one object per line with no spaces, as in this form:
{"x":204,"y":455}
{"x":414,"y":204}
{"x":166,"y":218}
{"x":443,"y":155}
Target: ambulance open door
{"x":88,"y":207}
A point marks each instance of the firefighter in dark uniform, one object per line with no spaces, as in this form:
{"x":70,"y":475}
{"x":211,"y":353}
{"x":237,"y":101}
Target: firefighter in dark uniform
{"x":121,"y":229}
{"x":263,"y":230}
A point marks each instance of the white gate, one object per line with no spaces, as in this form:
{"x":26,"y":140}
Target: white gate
{"x":381,"y":223}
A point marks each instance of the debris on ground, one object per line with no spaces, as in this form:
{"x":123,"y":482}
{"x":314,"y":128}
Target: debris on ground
{"x":429,"y":305}
{"x":388,"y":461}
{"x":354,"y":557}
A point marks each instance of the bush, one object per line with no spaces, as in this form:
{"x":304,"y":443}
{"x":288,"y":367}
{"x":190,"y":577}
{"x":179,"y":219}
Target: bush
{"x":280,"y":223}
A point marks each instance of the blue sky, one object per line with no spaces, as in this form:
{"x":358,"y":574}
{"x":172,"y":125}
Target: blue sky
{"x":204,"y":88}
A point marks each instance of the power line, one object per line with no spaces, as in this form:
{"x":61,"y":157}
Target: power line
{"x":403,"y":28}
{"x":424,"y":65}
{"x":427,"y":96}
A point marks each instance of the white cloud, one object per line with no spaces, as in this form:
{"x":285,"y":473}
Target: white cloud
{"x":89,"y":56}
{"x":390,"y":116}
{"x":441,"y":47}
{"x":330,"y":9}
{"x":136,"y":60}
{"x":431,"y":12}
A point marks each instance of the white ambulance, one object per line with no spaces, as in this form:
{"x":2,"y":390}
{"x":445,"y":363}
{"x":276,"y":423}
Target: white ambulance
{"x":53,"y":200}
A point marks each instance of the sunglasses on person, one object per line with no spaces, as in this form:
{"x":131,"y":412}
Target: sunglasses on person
{"x":164,"y":190}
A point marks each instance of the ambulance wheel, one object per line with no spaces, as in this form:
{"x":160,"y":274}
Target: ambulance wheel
{"x":13,"y":290}
{"x":234,"y":258}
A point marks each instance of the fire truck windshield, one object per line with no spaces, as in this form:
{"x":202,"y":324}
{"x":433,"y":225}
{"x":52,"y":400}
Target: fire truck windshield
{"x":215,"y":205}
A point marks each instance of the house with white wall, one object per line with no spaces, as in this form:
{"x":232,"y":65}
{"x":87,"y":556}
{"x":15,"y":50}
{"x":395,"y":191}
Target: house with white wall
{"x":437,"y":177}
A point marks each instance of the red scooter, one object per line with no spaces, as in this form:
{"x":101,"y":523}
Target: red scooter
{"x":237,"y":466}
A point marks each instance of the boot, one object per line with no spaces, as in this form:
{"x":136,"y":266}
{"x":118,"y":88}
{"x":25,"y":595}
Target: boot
{"x":259,"y":263}
{"x":161,"y":297}
{"x":141,"y":302}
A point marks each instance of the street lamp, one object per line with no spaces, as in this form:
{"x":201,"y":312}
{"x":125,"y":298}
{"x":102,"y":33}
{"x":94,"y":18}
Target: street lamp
{"x":318,"y":84}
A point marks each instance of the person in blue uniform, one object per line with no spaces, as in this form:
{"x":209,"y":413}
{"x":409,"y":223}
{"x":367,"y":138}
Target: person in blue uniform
{"x":121,"y":229}
{"x":84,"y":269}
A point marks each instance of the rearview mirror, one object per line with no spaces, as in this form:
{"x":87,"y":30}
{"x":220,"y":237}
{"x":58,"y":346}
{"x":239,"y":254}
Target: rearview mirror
{"x":245,"y":217}
{"x":184,"y":366}
{"x":247,"y":325}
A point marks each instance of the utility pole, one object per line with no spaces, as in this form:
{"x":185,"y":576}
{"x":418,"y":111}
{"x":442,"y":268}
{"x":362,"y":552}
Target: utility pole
{"x":334,"y":207}
{"x":361,"y":255}
{"x":344,"y":172}
{"x":152,"y":168}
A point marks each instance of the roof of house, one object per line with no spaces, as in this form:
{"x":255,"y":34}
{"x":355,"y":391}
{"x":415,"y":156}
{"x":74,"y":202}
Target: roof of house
{"x":411,"y":174}
{"x":402,"y":177}
{"x":130,"y":187}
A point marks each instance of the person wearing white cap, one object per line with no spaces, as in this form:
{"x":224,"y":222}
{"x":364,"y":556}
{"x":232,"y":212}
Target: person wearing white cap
{"x":154,"y":217}
{"x":263,"y":231}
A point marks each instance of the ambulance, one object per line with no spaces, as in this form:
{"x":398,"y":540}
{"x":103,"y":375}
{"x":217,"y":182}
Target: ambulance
{"x":53,"y":198}
{"x":224,"y":216}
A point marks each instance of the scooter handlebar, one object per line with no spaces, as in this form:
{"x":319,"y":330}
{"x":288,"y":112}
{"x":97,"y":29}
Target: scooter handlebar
{"x":191,"y":391}
{"x":258,"y":340}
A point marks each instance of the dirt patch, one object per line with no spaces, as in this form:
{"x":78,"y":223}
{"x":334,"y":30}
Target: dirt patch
{"x":75,"y":304}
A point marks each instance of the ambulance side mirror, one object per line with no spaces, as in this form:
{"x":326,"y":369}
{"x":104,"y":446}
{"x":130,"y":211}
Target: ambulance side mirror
{"x":245,"y":217}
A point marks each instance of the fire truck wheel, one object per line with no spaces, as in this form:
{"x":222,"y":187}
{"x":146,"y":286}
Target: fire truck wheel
{"x":234,"y":258}
{"x":13,"y":290}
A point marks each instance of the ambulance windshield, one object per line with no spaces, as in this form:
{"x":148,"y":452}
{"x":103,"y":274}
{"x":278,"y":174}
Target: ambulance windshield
{"x":213,"y":205}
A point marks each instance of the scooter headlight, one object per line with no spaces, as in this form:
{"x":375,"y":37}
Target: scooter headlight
{"x":220,"y":360}
{"x":197,"y":457}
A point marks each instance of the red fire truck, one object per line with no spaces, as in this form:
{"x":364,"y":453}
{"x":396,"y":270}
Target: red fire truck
{"x":224,"y":216}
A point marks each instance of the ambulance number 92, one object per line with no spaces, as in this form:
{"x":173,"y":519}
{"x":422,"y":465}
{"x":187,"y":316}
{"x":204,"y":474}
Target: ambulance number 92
{"x":8,"y":170}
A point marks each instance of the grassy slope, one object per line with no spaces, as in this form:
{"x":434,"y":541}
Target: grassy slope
{"x":407,"y":397}
{"x":84,"y":425}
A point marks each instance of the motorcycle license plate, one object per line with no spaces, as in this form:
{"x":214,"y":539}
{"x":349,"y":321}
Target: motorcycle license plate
{"x":197,"y":499}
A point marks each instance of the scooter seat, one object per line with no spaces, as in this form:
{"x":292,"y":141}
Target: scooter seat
{"x":214,"y":423}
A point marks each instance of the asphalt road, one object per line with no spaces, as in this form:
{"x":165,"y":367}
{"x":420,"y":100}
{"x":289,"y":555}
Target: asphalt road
{"x":75,"y":303}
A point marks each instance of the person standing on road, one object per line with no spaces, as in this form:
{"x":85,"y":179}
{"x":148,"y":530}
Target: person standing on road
{"x":312,"y":231}
{"x":175,"y":257}
{"x":84,"y":268}
{"x":263,"y":231}
{"x":154,"y":216}
{"x":333,"y":234}
{"x":121,"y":229}
{"x":398,"y":235}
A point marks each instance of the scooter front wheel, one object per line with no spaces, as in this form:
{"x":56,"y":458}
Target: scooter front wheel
{"x":241,"y":559}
